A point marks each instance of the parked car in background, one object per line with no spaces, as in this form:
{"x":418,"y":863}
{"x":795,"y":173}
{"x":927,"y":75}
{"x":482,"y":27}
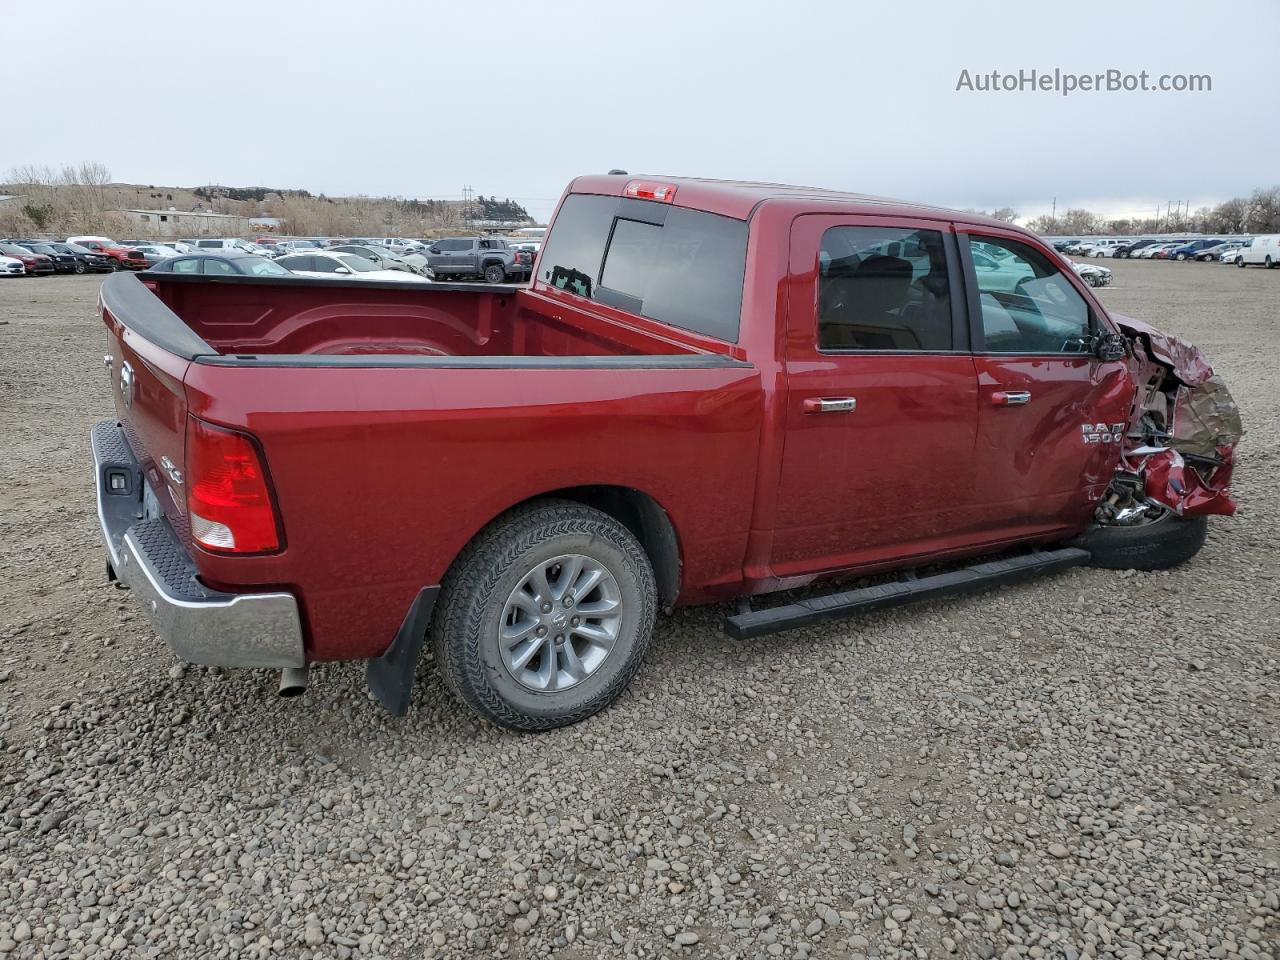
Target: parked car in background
{"x":1149,"y":252}
{"x":179,"y":246}
{"x":1128,"y":248}
{"x":489,"y":258}
{"x":285,"y":247}
{"x":526,"y":251}
{"x":1228,"y":251}
{"x":1263,"y":251}
{"x":221,"y":264}
{"x":153,"y":253}
{"x":12,"y":267}
{"x":1188,"y":251}
{"x":394,"y":244}
{"x":101,"y":245}
{"x":337,"y":266}
{"x":62,"y":262}
{"x":1092,"y":274}
{"x":222,"y":243}
{"x":36,"y":264}
{"x":1105,"y":247}
{"x":380,"y":257}
{"x":132,"y":259}
{"x":92,"y":261}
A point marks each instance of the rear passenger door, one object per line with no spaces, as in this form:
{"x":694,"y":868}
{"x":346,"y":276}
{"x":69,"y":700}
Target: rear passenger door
{"x":1051,"y":416}
{"x":881,"y":407}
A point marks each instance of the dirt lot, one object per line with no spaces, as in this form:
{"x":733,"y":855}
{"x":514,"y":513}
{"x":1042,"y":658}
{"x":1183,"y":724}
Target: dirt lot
{"x":1084,"y":766}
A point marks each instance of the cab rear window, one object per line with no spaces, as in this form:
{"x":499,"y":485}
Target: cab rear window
{"x":681,"y":267}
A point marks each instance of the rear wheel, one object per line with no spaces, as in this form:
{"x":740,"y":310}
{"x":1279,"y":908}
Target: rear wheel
{"x":79,"y":267}
{"x":1267,"y":263}
{"x":545,"y":617}
{"x":495,"y":273}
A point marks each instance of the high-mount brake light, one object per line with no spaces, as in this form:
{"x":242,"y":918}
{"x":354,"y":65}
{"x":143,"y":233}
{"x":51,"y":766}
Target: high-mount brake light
{"x":228,"y":498}
{"x":650,"y":190}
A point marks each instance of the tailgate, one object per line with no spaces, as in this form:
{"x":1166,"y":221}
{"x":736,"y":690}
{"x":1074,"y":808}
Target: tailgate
{"x":148,"y":350}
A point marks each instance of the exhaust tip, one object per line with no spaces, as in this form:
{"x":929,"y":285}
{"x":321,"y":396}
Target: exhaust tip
{"x":293,"y":681}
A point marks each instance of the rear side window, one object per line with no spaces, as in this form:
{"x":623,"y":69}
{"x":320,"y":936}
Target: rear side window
{"x":883,"y":288}
{"x":681,"y":267}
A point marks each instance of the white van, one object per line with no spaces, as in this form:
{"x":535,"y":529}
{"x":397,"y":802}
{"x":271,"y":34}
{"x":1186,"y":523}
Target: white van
{"x":220,"y":244}
{"x":1264,"y":250}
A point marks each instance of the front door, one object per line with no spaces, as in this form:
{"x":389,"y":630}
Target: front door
{"x":1051,"y":416}
{"x":881,"y":402}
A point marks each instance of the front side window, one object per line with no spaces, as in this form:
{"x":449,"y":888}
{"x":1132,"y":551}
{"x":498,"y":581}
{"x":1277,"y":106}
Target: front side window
{"x":186,"y":265}
{"x":296,"y":263}
{"x":219,"y":268}
{"x":1028,"y":306}
{"x":682,"y":267}
{"x":883,"y":288}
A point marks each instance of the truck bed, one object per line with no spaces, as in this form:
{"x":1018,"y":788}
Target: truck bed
{"x":395,"y":421}
{"x":273,"y":317}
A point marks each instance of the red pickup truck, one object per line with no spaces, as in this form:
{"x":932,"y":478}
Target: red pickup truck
{"x":709,"y":391}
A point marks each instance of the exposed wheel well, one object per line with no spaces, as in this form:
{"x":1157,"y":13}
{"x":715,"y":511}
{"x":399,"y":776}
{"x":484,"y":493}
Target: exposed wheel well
{"x":645,"y":518}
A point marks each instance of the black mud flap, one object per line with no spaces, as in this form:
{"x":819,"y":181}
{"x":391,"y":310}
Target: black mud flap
{"x":816,"y":609}
{"x":390,"y":676}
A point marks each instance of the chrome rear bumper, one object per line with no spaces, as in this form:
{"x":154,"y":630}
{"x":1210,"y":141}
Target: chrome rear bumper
{"x":200,"y":625}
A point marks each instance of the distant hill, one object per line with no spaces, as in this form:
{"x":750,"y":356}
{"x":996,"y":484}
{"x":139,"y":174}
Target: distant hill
{"x":84,"y":200}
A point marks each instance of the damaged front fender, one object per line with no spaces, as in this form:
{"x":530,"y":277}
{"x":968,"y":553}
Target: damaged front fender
{"x":1184,"y":425}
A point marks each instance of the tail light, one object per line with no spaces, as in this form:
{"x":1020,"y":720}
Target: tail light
{"x":229,"y":500}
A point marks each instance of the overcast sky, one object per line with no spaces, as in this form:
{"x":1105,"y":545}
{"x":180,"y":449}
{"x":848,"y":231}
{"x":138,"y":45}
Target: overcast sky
{"x":418,"y":99}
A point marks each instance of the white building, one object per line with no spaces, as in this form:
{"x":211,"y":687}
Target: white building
{"x":162,"y":224}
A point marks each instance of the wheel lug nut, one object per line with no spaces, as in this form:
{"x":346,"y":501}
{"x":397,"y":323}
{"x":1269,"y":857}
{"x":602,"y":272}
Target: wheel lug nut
{"x":568,"y":601}
{"x":541,"y":631}
{"x":575,"y":621}
{"x":546,"y":608}
{"x":559,"y":638}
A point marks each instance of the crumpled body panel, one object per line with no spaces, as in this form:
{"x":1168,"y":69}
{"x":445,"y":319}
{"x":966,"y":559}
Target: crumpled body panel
{"x":1184,"y":426}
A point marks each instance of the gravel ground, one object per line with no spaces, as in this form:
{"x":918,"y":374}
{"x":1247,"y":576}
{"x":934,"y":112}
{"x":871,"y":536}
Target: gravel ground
{"x":1084,"y":766}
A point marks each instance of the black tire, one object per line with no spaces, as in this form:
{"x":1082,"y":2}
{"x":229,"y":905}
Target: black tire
{"x":1181,"y":256}
{"x":495,"y":273}
{"x":1267,"y":263}
{"x":1240,"y":262}
{"x":1166,"y":543}
{"x":79,"y":267}
{"x":473,"y":598}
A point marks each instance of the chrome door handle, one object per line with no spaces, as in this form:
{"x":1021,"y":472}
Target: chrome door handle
{"x":1011,"y":398}
{"x":830,"y":404}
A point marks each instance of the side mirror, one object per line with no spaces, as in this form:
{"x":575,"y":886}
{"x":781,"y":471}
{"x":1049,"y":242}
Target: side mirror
{"x":1111,"y":346}
{"x":342,"y":270}
{"x":434,"y":249}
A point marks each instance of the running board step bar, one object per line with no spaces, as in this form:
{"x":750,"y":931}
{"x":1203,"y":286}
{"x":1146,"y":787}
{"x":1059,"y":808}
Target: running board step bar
{"x":757,"y":623}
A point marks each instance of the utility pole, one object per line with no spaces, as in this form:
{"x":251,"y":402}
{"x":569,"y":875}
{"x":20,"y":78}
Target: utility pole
{"x":1053,"y":217}
{"x":466,"y":205}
